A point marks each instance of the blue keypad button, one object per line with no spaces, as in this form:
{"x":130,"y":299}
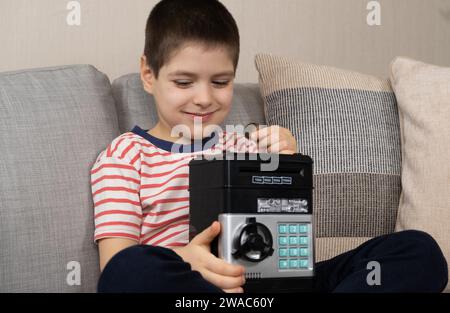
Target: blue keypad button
{"x":303,"y":252}
{"x":293,"y":263}
{"x":293,"y":252}
{"x":303,"y":240}
{"x":304,"y":263}
{"x":303,"y":228}
{"x":283,"y":264}
{"x":283,"y":240}
{"x":293,"y":240}
{"x":283,"y":253}
{"x":293,"y":229}
{"x":282,"y":228}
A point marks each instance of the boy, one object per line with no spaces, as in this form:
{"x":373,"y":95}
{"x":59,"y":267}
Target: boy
{"x":140,"y":181}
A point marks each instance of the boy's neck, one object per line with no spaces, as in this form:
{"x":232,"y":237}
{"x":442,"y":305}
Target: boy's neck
{"x":161,"y":132}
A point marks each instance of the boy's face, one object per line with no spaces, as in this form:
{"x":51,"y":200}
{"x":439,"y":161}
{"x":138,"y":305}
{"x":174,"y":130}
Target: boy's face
{"x":195,"y":85}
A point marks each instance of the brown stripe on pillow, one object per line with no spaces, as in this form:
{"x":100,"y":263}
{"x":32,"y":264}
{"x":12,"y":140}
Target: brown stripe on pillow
{"x":355,"y":204}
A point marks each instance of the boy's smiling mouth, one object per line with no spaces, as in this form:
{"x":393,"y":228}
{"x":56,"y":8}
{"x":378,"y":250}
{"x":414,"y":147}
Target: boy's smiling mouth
{"x":203,"y":116}
{"x":199,"y":113}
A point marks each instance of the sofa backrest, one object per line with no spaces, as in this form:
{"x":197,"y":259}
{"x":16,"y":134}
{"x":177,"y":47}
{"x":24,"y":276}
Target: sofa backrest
{"x":53,"y":123}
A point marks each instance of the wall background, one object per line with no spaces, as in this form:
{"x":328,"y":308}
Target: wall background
{"x":34,"y":33}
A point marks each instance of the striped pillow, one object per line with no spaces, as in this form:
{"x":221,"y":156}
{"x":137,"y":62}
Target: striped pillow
{"x":348,"y":123}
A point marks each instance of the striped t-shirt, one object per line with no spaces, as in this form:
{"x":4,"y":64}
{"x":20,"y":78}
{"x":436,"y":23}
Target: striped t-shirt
{"x":140,"y":188}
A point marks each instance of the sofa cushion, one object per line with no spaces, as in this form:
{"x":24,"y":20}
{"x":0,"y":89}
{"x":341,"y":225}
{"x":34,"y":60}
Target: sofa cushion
{"x":136,"y":107}
{"x":423,"y":93}
{"x":348,"y":123}
{"x":53,"y":123}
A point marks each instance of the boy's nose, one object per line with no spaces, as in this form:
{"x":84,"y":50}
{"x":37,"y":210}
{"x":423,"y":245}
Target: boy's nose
{"x":203,"y":105}
{"x":203,"y":98}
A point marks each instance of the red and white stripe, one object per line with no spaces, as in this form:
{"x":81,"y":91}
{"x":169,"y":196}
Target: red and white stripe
{"x":140,"y":191}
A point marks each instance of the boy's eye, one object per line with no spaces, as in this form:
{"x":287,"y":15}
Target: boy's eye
{"x":182,"y":83}
{"x":221,"y":83}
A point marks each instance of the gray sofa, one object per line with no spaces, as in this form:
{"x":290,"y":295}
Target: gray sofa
{"x":53,"y":123}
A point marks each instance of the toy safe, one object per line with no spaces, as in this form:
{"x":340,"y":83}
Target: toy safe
{"x":266,"y":217}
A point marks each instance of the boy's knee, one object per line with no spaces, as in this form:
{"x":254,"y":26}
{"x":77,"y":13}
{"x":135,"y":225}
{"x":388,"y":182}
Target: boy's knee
{"x":140,"y":268}
{"x":430,"y":256}
{"x":422,"y":242}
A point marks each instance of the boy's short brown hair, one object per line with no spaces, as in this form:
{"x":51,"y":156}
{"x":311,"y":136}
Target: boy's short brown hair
{"x":172,"y":23}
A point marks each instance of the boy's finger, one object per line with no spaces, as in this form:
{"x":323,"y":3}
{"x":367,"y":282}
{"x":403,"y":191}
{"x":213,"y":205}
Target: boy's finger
{"x":222,"y":267}
{"x":207,"y":235}
{"x":278,"y":146}
{"x":260,"y":133}
{"x":266,"y":142}
{"x":250,"y":129}
{"x":267,"y":138}
{"x":234,"y":290}
{"x":223,"y":282}
{"x":287,"y":152}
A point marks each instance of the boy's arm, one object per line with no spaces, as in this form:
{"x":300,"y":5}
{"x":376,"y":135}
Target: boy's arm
{"x":115,"y":178}
{"x":108,"y":247}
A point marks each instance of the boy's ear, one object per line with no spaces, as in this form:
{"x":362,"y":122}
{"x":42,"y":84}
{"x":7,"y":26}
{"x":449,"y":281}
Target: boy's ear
{"x":146,"y":75}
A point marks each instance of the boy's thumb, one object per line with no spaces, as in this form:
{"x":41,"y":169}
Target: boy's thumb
{"x":208,"y":235}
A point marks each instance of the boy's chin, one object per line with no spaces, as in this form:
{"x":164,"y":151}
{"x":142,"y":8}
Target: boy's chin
{"x":206,"y":130}
{"x":201,"y":135}
{"x":197,"y":132}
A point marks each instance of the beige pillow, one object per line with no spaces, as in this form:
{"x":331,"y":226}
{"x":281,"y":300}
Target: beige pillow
{"x":423,"y":96}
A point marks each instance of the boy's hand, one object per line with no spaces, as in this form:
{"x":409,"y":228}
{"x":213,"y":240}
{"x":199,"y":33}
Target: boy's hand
{"x":275,"y":139}
{"x":228,"y":277}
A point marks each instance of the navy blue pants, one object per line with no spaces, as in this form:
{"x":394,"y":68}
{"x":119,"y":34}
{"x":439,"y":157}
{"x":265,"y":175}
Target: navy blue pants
{"x":410,"y":261}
